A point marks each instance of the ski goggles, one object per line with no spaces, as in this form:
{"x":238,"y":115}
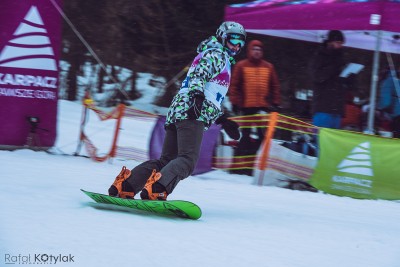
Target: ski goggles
{"x":236,"y":39}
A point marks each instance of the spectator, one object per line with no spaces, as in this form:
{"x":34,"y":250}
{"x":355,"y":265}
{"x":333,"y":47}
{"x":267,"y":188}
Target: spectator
{"x":389,"y":101}
{"x":254,"y":88}
{"x":329,"y":97}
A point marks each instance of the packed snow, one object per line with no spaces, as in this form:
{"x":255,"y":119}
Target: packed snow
{"x":45,"y":218}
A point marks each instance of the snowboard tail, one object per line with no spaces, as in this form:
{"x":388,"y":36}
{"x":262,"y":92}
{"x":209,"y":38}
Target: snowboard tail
{"x":179,"y":208}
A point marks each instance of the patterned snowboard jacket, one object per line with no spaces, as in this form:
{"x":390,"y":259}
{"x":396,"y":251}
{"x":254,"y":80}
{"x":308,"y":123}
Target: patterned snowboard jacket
{"x":209,"y":73}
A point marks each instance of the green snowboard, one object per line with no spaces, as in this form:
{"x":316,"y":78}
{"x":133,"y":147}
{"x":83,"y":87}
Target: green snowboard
{"x":179,"y":208}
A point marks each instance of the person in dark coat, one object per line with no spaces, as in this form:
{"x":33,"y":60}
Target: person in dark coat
{"x":389,"y":100}
{"x":329,"y":97}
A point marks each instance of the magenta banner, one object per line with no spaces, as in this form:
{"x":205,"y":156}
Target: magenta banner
{"x":317,"y":15}
{"x":30,"y":37}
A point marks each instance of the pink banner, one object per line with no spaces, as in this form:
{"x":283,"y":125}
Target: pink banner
{"x":317,"y":15}
{"x":30,"y":37}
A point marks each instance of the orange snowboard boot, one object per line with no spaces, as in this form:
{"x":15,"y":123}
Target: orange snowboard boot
{"x":152,"y":189}
{"x":115,"y":189}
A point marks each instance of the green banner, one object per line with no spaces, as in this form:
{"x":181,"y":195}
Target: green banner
{"x":358,"y":165}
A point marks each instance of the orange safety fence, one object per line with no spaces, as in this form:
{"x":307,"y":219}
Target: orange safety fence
{"x":265,"y":159}
{"x":292,"y":169}
{"x":249,"y":121}
{"x":103,"y":115}
{"x":117,"y":113}
{"x":92,"y":150}
{"x":138,"y":114}
{"x":261,"y":161}
{"x":234,"y":163}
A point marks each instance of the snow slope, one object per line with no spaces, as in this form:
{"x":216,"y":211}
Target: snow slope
{"x":43,"y":212}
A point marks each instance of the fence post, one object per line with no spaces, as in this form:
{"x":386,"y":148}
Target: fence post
{"x":81,"y":129}
{"x":121,"y":109}
{"x":262,"y":164}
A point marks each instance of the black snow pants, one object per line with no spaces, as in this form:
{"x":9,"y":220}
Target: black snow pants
{"x":178,"y":159}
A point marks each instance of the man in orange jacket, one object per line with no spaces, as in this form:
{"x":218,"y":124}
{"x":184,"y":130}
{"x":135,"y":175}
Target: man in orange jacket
{"x":254,"y":88}
{"x":254,"y":85}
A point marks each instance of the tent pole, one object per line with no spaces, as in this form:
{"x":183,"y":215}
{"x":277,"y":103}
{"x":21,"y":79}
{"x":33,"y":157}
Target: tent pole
{"x":374,"y":86}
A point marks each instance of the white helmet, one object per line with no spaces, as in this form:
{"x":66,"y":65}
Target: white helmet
{"x":233,"y":32}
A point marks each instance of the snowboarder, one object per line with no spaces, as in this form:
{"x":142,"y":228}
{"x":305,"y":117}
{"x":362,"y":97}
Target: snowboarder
{"x":195,"y":107}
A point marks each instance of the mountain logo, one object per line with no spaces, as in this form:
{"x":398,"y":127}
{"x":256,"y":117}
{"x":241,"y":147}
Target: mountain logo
{"x":358,"y":161}
{"x":30,"y":47}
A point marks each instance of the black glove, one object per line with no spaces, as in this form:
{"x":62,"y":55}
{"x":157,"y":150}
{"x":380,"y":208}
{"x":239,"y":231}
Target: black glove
{"x":195,"y":110}
{"x":230,"y":127}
